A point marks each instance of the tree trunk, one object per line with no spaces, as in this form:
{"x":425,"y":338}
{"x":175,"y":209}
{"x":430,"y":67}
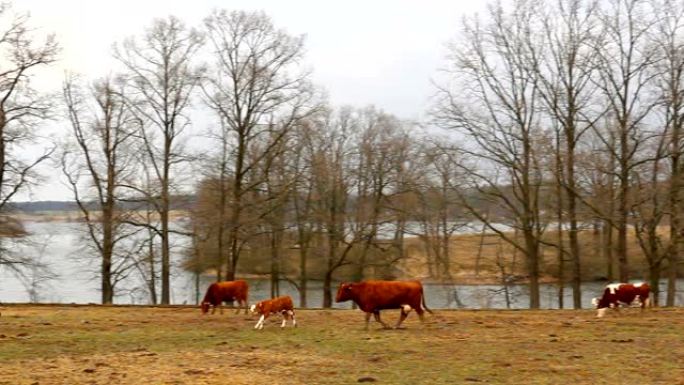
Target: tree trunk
{"x":197,"y":287}
{"x":607,"y":247}
{"x":623,"y":209}
{"x":327,"y":290}
{"x":676,"y":212}
{"x":275,"y":264}
{"x":166,"y":260}
{"x":532,"y":258}
{"x":303,"y":279}
{"x":561,"y":262}
{"x":164,"y":217}
{"x":107,"y":253}
{"x":654,"y":277}
{"x":153,"y":273}
{"x":236,"y":216}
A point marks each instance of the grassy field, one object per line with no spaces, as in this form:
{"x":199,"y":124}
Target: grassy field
{"x":125,"y":345}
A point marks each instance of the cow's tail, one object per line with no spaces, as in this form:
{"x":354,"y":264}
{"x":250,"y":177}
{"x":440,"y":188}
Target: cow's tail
{"x":422,"y":298}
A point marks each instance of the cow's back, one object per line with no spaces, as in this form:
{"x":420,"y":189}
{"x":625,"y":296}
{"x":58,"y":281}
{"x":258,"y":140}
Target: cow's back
{"x":378,"y":295}
{"x":233,"y":289}
{"x":277,"y":304}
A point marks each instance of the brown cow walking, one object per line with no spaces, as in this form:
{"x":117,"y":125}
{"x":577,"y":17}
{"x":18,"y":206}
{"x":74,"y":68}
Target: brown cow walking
{"x":373,"y":296}
{"x":282,"y":305}
{"x":226,"y":291}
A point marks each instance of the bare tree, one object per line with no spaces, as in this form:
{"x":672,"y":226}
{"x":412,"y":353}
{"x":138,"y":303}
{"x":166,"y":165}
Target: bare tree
{"x":21,"y":109}
{"x":648,"y":208}
{"x":259,"y":93}
{"x":667,"y":37}
{"x":437,"y":209}
{"x":624,"y":58}
{"x":103,"y":127}
{"x":375,"y":172}
{"x":330,"y":150}
{"x":564,"y":69}
{"x":490,"y":66}
{"x":304,"y":199}
{"x":163,"y":78}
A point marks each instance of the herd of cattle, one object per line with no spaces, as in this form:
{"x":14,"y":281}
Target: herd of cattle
{"x":373,"y":296}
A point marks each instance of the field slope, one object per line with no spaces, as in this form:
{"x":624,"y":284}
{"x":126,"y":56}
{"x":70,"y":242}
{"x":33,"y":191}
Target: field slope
{"x":42,"y":345}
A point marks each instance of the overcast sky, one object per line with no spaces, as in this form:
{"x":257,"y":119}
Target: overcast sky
{"x":378,"y":52}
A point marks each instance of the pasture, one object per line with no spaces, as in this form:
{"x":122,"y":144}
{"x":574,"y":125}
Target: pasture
{"x":41,"y":345}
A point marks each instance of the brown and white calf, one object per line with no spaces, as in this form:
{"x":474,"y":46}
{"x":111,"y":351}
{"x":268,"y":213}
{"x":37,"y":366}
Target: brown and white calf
{"x":626,"y":293}
{"x":282,"y":305}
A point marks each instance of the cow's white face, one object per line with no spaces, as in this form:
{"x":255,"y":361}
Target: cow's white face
{"x":595,"y":301}
{"x":252,"y":308}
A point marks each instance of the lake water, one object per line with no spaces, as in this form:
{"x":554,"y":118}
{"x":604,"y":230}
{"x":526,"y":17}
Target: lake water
{"x":61,"y":246}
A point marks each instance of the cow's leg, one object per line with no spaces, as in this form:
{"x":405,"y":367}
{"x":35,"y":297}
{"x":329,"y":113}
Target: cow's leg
{"x":368,"y":315}
{"x":405,"y":310}
{"x":284,"y":313}
{"x":421,"y":313}
{"x":601,"y":312}
{"x":237,"y":310}
{"x":246,"y":306}
{"x":292,"y":314}
{"x":646,"y":303}
{"x":213,"y":309}
{"x":265,"y":316}
{"x":260,"y":323}
{"x":377,"y":318}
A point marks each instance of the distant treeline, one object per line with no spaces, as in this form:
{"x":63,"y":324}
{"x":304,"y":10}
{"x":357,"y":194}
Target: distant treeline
{"x":183,"y":202}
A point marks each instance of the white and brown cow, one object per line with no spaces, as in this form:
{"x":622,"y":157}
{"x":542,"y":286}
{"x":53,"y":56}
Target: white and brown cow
{"x":626,"y":293}
{"x":282,"y":305}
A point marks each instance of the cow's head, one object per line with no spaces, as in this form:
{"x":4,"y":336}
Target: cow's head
{"x":205,"y":307}
{"x":344,"y":293}
{"x":257,"y":306}
{"x":595,"y":302}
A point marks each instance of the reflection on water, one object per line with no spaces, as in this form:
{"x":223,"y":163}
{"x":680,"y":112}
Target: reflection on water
{"x":74,"y":281}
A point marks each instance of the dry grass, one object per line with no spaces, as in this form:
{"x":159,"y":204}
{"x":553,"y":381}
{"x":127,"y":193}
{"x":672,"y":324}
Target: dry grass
{"x":127,"y":345}
{"x":466,"y":249}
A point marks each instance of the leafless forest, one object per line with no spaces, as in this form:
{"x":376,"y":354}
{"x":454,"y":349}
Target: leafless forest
{"x":552,"y":121}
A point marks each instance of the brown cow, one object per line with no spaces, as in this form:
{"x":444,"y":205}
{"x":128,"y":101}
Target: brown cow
{"x":373,"y":296}
{"x":226,"y":291}
{"x":627,"y":293}
{"x":282,"y":305}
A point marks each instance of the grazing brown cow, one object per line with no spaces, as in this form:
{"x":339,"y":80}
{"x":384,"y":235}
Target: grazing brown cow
{"x":226,"y":291}
{"x":373,"y":296}
{"x":627,"y":293}
{"x":282,"y":305}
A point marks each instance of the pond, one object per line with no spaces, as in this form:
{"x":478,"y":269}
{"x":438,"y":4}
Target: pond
{"x":60,"y":245}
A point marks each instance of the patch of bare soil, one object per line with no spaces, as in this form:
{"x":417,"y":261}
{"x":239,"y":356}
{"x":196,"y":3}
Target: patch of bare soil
{"x":144,"y":367}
